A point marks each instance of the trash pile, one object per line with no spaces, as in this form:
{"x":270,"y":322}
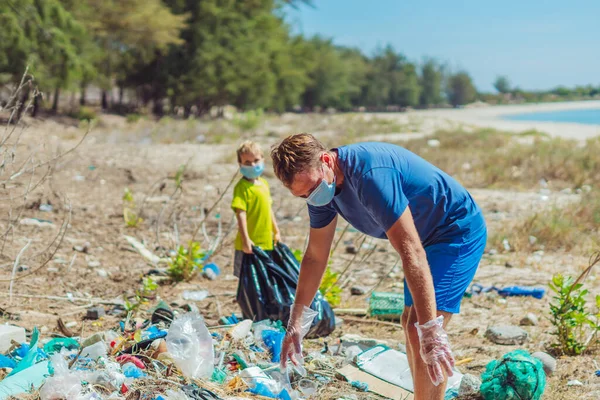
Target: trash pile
{"x":174,"y":355}
{"x":166,"y":353}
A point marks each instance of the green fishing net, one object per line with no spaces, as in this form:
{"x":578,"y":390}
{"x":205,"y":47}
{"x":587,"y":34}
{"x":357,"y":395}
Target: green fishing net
{"x":516,"y":376}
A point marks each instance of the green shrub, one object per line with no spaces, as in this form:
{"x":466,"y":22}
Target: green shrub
{"x":84,"y":114}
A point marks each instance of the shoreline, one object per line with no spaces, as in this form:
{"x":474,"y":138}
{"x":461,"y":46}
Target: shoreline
{"x":491,"y":117}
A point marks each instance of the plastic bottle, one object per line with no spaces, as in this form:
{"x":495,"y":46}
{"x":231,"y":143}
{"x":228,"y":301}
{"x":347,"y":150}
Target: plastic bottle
{"x":211,"y":271}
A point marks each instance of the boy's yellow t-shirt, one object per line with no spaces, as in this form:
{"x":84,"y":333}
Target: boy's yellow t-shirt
{"x":255,"y":199}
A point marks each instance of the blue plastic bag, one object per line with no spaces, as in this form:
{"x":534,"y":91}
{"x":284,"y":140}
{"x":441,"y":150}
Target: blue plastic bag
{"x":273,"y":340}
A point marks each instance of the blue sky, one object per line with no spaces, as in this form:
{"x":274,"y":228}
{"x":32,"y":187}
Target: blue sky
{"x":538,"y":44}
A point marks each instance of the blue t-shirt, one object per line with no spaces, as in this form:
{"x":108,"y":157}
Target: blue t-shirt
{"x":382,"y":179}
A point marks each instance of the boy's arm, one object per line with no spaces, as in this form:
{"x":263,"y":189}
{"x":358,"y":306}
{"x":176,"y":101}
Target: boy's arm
{"x":243,"y":228}
{"x":276,"y":233}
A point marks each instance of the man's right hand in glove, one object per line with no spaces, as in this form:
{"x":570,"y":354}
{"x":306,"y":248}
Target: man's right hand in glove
{"x":292,"y":343}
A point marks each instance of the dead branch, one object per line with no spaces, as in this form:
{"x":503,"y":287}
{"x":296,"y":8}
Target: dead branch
{"x":14,"y":270}
{"x":61,"y":233}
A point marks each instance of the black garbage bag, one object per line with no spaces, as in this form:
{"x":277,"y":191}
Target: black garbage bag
{"x":267,"y":288}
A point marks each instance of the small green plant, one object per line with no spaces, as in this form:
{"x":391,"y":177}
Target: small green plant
{"x":164,"y":121}
{"x":330,"y":288}
{"x":131,"y":217}
{"x":84,"y":114}
{"x":141,"y":296}
{"x":133,"y":118}
{"x":576,"y":327}
{"x":179,"y":176}
{"x":186,"y":262}
{"x":298,"y":255}
{"x":249,"y":120}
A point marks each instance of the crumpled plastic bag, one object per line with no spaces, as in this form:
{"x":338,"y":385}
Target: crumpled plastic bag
{"x":190,"y":345}
{"x":64,"y":384}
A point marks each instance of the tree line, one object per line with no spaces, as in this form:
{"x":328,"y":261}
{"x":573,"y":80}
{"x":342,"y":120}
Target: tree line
{"x":189,"y":56}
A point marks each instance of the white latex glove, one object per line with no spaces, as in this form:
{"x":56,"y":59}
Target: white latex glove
{"x":301,"y":319}
{"x":435,"y":349}
{"x":292,"y":342}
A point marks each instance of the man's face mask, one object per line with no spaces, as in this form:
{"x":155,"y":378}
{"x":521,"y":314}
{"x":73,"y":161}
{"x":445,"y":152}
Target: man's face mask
{"x":323,"y":194}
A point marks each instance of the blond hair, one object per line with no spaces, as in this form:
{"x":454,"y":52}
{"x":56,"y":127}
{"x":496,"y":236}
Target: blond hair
{"x":295,"y":154}
{"x":248,"y":147}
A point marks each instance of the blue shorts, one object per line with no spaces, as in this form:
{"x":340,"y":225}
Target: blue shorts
{"x":453,"y":266}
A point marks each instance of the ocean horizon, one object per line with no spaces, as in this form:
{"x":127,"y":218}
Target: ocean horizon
{"x":584,"y":116}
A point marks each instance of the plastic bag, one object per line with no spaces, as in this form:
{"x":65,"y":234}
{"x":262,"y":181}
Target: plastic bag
{"x":273,"y":340}
{"x":191,"y":346}
{"x":64,"y":384}
{"x":267,"y":288}
{"x":262,"y":384}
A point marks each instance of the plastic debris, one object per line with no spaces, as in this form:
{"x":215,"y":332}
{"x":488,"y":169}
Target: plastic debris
{"x":130,"y":370}
{"x":41,"y":223}
{"x":9,"y":333}
{"x":190,"y":345}
{"x":273,"y":340}
{"x":386,"y":305}
{"x":196,"y":295}
{"x":57,"y":344}
{"x":147,"y":349}
{"x":515,"y":375}
{"x":46,"y":207}
{"x":21,"y":382}
{"x":362,"y":386}
{"x":95,"y":351}
{"x":6,"y":362}
{"x":307,"y":387}
{"x":211,"y":271}
{"x":508,"y":291}
{"x":241,"y":330}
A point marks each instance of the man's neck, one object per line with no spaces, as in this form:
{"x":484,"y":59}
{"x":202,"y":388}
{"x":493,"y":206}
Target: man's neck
{"x":337,"y":170}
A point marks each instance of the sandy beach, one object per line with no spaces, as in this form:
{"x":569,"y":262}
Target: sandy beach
{"x":492,"y":117}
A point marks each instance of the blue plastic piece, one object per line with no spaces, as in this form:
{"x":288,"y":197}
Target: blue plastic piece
{"x":273,"y":341}
{"x":538,"y":293}
{"x":131,"y":371}
{"x":32,"y":356}
{"x":256,"y":349}
{"x":153,"y":333}
{"x":262,"y":390}
{"x":213,"y":267}
{"x":6,"y":362}
{"x":363,"y":386}
{"x":598,"y":373}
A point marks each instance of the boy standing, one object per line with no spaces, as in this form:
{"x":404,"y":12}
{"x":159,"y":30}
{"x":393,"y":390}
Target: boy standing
{"x":252,"y":206}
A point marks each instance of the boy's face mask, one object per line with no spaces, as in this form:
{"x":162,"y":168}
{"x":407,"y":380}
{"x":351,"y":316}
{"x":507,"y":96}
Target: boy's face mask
{"x":252,"y":171}
{"x":323,"y":194}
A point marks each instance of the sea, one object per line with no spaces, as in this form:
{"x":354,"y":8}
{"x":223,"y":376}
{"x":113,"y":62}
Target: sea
{"x":586,"y":116}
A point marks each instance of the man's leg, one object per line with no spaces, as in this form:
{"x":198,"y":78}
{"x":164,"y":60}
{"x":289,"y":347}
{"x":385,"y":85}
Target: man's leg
{"x":424,"y":388}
